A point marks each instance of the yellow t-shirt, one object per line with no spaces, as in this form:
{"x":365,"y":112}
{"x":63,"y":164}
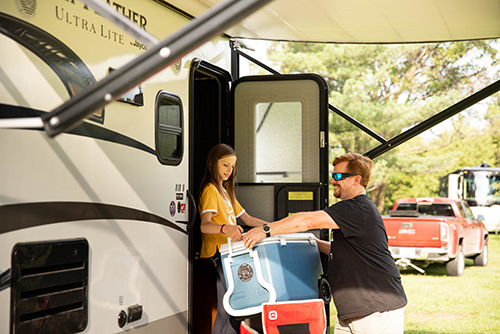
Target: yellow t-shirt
{"x":212,"y":201}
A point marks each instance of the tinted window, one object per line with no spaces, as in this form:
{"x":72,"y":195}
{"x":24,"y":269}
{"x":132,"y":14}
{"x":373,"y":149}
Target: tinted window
{"x":442,"y":210}
{"x":468,"y":212}
{"x":428,"y":209}
{"x":169,"y":128}
{"x":407,"y":206}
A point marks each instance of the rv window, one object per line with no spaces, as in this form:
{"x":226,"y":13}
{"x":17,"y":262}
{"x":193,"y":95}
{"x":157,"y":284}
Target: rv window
{"x":278,"y":142}
{"x":169,"y":131}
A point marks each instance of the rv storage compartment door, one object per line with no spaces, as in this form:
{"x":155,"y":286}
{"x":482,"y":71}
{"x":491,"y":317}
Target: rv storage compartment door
{"x":49,"y":287}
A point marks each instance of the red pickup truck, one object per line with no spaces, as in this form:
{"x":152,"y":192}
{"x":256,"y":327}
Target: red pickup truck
{"x":426,"y":230}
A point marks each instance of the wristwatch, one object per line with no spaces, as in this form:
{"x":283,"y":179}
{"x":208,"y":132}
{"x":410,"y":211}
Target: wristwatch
{"x":267,"y":230}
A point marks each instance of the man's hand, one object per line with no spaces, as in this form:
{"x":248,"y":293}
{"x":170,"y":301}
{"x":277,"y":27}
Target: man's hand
{"x":253,"y":236}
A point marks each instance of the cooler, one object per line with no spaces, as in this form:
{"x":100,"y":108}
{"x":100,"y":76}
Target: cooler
{"x":279,"y":268}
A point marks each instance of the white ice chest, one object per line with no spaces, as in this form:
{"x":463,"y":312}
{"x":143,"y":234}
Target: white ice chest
{"x":279,"y":268}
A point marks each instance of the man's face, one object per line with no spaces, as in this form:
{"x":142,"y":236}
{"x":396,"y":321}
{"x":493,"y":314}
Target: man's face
{"x":343,"y":189}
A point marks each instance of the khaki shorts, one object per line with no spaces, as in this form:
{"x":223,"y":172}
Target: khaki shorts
{"x":391,"y":322}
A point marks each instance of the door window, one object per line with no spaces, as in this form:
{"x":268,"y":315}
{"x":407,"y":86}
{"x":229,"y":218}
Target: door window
{"x":468,"y":212}
{"x":277,"y":131}
{"x":278,"y":141}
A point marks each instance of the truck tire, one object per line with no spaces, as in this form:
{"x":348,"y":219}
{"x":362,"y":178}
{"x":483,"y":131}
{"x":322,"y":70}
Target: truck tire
{"x":481,"y":260}
{"x":456,"y":266}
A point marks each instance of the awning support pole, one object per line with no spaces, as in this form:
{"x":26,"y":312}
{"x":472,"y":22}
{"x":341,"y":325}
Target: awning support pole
{"x":435,"y":120}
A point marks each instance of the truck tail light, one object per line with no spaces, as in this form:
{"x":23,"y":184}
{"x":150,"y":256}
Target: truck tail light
{"x":445,"y":233}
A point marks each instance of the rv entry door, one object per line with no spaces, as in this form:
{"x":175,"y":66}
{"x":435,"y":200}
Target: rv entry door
{"x":281,"y":137}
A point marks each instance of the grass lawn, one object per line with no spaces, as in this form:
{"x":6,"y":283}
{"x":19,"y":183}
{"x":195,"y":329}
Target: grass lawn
{"x":439,"y":304}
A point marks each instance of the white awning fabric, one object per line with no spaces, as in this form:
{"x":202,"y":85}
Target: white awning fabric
{"x":364,"y":21}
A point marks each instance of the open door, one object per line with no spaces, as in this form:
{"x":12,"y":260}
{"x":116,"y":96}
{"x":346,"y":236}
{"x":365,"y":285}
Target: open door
{"x":208,"y":126}
{"x":278,"y":127}
{"x":281,"y":137}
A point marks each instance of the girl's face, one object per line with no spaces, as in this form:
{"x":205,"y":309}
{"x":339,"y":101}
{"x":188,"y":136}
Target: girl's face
{"x":225,"y":166}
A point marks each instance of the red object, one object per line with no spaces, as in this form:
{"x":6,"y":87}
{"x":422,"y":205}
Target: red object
{"x":299,"y":316}
{"x":434,"y":230}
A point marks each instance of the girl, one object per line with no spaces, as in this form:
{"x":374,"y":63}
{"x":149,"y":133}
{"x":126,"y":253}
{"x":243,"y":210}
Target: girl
{"x":219,"y":210}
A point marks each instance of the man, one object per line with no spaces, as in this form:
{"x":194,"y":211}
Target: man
{"x":365,"y":281}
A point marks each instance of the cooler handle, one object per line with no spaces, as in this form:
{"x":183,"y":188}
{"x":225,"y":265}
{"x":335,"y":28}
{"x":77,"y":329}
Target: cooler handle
{"x":231,"y":254}
{"x":230,"y":246}
{"x":230,"y":289}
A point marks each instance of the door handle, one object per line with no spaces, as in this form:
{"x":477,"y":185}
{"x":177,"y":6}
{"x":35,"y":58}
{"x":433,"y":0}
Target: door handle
{"x":193,"y":218}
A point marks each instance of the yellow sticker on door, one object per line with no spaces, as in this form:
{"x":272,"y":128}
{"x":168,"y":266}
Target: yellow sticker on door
{"x":300,"y":196}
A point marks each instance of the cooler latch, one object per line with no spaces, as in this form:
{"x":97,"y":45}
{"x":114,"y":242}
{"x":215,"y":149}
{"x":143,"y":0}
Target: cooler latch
{"x":282,"y":240}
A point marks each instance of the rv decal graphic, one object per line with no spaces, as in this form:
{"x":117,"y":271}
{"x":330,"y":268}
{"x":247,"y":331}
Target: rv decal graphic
{"x":132,"y":15}
{"x":66,"y":64}
{"x":63,"y":61}
{"x":78,"y":22}
{"x":85,"y":129}
{"x":26,"y":215}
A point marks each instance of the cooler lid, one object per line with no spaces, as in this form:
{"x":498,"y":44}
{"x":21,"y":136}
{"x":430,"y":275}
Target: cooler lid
{"x":279,"y":238}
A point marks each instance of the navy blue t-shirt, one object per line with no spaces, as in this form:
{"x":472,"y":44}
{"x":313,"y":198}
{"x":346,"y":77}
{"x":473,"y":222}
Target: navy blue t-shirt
{"x":362,"y":273}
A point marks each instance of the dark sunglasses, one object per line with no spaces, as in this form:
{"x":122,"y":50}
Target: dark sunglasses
{"x":342,"y":176}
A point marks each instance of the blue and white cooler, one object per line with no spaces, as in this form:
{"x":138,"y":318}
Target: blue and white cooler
{"x":279,"y":268}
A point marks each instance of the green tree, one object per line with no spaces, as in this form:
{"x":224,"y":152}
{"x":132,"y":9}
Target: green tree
{"x":493,"y":118}
{"x":390,"y":88}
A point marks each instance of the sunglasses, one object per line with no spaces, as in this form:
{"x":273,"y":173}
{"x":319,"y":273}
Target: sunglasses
{"x":342,"y":176}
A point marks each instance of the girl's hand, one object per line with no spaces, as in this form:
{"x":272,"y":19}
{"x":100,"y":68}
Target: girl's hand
{"x":234,"y":231}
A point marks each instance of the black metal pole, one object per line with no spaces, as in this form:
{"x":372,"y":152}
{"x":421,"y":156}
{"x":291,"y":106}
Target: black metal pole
{"x":200,"y":30}
{"x":336,"y":110}
{"x":357,"y":124}
{"x":257,"y":62}
{"x":235,"y":61}
{"x":435,"y":120}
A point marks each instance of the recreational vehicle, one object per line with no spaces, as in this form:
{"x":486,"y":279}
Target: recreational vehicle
{"x":479,"y":187}
{"x":98,"y":225}
{"x":105,"y":128}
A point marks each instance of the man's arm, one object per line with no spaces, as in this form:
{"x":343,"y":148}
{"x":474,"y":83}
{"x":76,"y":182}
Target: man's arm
{"x":251,"y":221}
{"x":324,"y":246}
{"x":298,"y":222}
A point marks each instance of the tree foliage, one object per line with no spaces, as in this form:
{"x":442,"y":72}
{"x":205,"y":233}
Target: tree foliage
{"x":390,"y":88}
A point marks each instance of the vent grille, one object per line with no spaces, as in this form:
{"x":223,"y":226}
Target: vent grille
{"x":27,"y":7}
{"x":49,"y":287}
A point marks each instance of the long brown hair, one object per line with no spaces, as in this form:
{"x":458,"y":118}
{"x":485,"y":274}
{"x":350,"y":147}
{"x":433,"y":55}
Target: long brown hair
{"x":211,"y":174}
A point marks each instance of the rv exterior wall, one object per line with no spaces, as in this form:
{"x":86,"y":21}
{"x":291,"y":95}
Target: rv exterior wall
{"x":132,"y":260}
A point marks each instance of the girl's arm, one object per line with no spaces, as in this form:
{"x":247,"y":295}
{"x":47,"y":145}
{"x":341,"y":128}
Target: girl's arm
{"x":252,"y":221}
{"x":208,"y":227}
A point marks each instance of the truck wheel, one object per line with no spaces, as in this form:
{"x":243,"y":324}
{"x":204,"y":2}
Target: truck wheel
{"x":456,"y":266}
{"x":481,"y":260}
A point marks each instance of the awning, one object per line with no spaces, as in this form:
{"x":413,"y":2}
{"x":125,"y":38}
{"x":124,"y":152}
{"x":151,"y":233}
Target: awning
{"x":363,"y":21}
